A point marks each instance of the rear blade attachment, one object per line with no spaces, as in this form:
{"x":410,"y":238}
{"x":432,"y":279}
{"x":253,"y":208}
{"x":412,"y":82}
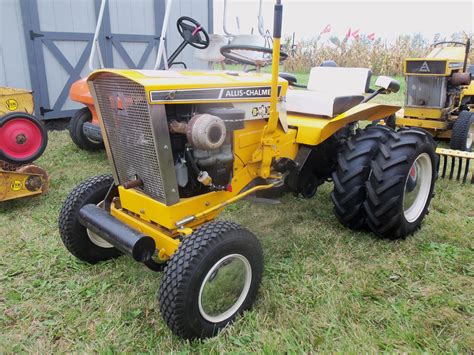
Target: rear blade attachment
{"x":456,"y":164}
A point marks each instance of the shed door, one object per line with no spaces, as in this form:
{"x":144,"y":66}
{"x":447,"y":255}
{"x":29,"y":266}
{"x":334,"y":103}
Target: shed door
{"x":60,"y":34}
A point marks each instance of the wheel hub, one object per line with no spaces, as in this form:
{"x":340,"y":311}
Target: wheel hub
{"x":95,"y":239}
{"x":417,"y":187}
{"x":20,"y":138}
{"x":225,"y":288}
{"x":39,"y":181}
{"x":470,"y":137}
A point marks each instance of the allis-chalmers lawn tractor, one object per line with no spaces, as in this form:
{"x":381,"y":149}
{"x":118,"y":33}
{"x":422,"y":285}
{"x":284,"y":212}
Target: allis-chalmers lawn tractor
{"x":183,"y":145}
{"x":440,"y":94}
{"x":440,"y":98}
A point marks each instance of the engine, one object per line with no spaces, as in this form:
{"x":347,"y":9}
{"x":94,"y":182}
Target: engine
{"x":201,"y":140}
{"x":164,"y":147}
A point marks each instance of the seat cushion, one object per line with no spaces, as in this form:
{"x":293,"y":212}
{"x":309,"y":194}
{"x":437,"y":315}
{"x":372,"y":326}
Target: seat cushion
{"x":320,"y":103}
{"x":339,"y":80}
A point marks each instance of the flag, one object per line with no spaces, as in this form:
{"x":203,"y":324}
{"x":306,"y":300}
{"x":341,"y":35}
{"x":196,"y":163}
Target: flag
{"x":326,"y":29}
{"x":371,"y":36}
{"x":348,"y":34}
{"x":355,"y":34}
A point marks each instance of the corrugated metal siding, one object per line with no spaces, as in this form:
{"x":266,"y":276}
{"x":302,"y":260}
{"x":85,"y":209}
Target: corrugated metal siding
{"x":79,"y":16}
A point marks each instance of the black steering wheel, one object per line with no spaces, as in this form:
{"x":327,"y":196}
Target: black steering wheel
{"x":235,"y":52}
{"x":449,"y":42}
{"x":192,"y":32}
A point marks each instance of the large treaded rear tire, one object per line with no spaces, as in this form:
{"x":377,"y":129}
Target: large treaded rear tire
{"x":187,"y":269}
{"x":389,"y":179}
{"x":353,"y":170}
{"x":463,"y":127}
{"x":73,"y":233}
{"x":76,"y":130}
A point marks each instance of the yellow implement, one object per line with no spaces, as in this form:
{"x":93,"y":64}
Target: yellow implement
{"x":23,"y":138}
{"x":461,"y":159}
{"x":15,"y":100}
{"x":28,"y":180}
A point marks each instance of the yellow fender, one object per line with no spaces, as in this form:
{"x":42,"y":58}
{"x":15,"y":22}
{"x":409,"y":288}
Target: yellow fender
{"x":313,"y":130}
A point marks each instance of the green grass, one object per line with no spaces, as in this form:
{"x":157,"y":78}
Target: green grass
{"x":324,"y":288}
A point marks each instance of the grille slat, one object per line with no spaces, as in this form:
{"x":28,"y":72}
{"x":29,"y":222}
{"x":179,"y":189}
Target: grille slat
{"x":426,"y":91}
{"x":126,"y":116}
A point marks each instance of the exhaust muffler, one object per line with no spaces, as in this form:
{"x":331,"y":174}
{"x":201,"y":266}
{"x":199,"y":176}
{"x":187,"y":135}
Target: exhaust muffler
{"x":129,"y":241}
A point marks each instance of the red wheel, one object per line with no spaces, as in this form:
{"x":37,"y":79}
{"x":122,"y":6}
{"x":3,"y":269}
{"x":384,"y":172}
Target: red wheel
{"x":23,"y":138}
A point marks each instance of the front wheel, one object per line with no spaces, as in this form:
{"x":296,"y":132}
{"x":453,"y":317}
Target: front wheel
{"x":213,"y":277}
{"x":76,"y":130}
{"x":401,"y":184}
{"x":462,"y":137}
{"x":78,"y":240}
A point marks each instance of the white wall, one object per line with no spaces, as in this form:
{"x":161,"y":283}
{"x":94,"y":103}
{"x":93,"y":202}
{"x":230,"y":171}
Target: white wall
{"x":13,"y":60}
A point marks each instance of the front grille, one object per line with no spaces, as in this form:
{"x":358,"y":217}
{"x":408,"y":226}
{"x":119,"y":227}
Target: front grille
{"x":426,"y":91}
{"x":127,"y":120}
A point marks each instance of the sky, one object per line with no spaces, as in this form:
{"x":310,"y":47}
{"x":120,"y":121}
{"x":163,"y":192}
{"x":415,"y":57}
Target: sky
{"x":387,"y":18}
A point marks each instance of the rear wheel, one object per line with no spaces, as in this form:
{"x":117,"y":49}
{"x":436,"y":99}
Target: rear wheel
{"x":213,"y":277}
{"x":78,"y":240}
{"x":401,"y":185}
{"x":76,"y":130}
{"x":353,"y":170}
{"x":462,"y":137}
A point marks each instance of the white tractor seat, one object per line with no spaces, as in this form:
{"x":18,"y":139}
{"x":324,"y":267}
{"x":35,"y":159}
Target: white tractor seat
{"x":331,"y":91}
{"x":320,"y":103}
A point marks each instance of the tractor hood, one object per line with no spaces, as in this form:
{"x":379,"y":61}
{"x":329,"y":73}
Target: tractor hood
{"x":189,"y":86}
{"x":440,"y":61}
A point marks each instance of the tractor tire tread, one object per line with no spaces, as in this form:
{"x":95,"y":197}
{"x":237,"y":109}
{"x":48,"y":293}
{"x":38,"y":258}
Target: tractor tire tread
{"x":461,"y":130}
{"x":76,"y":133}
{"x":172,"y":296}
{"x":383,"y":206}
{"x":82,"y":248}
{"x":352,"y":172}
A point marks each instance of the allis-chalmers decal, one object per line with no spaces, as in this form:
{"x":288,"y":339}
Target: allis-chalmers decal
{"x":239,"y":93}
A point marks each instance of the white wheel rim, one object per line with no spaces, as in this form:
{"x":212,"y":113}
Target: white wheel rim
{"x":470,"y":137}
{"x":219,"y":300}
{"x":417,"y":187}
{"x":95,"y":239}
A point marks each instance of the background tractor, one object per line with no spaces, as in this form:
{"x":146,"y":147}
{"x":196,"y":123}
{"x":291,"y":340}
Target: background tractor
{"x":84,"y":124}
{"x":23,"y":138}
{"x":440,"y":94}
{"x":183,"y":145}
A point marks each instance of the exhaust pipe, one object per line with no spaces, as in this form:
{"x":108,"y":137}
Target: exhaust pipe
{"x":129,"y":241}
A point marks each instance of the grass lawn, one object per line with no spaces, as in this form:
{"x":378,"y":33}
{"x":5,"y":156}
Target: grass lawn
{"x":324,"y":288}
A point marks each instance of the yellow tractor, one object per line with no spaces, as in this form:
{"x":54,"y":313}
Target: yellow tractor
{"x":23,"y":138}
{"x":185,"y":144}
{"x":440,"y":94}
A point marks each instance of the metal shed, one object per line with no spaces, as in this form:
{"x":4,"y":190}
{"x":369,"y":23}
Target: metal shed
{"x":45,"y":44}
